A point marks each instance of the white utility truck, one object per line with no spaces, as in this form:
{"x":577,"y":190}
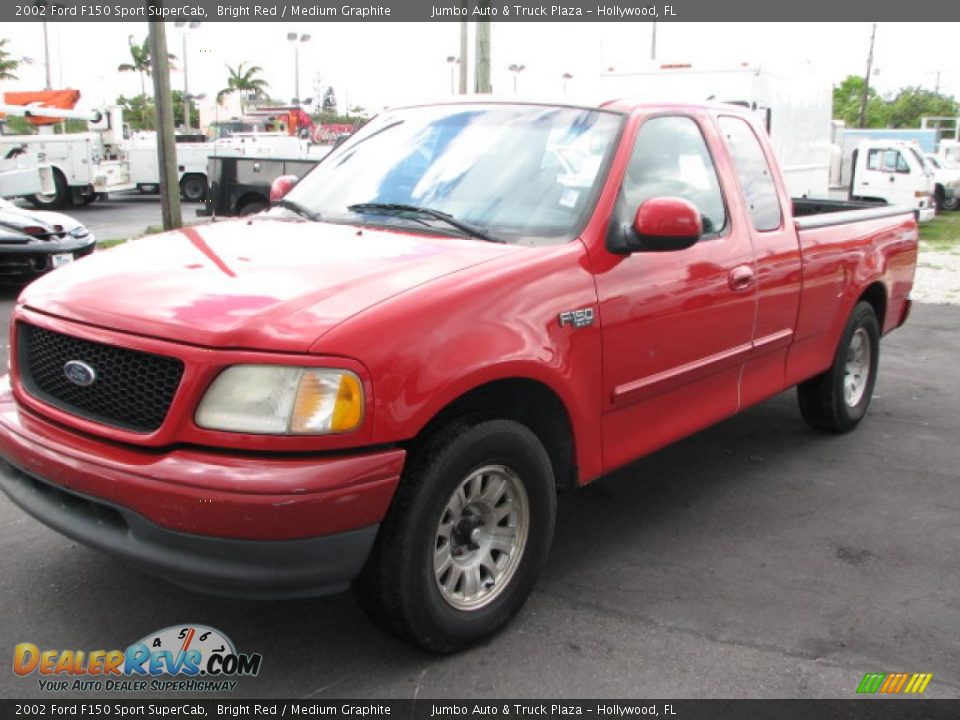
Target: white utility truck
{"x":192,"y":158}
{"x":84,"y":165}
{"x":24,"y":174}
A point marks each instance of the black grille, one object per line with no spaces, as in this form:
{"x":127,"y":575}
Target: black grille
{"x":133,"y":390}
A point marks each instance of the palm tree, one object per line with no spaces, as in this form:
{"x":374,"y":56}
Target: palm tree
{"x":245,"y":82}
{"x":7,"y":64}
{"x":140,"y":54}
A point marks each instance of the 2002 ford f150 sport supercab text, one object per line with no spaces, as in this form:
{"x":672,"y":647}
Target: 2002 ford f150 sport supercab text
{"x":386,"y":378}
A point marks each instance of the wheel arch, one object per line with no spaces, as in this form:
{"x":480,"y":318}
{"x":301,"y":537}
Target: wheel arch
{"x":876,"y":294}
{"x":528,"y":401}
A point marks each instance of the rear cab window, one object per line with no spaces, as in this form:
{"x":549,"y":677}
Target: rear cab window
{"x":753,"y":172}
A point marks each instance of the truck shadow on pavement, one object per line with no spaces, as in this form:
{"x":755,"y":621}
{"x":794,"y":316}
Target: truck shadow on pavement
{"x":613,"y":537}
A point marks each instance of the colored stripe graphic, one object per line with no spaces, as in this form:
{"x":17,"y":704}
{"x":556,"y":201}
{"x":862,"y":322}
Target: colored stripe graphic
{"x":894,"y":683}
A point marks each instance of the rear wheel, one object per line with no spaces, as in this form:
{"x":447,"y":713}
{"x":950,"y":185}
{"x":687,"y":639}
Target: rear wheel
{"x":466,"y":537}
{"x":838,"y":399}
{"x":59,"y":198}
{"x":193,"y":187}
{"x":951,"y":204}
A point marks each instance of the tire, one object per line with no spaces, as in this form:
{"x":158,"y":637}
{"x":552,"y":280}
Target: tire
{"x":951,"y":205}
{"x":938,"y":200}
{"x":193,"y":187}
{"x":88,"y":198}
{"x":838,"y":399}
{"x":500,"y":466}
{"x":251,"y":207}
{"x":60,"y":197}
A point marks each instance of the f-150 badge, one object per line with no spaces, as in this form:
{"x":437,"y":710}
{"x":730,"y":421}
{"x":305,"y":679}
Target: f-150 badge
{"x":578,"y":318}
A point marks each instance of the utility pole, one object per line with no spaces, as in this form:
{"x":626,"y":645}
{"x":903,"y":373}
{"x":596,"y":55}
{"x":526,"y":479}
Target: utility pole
{"x":464,"y":57}
{"x":482,"y":71}
{"x":166,"y":143}
{"x":866,"y":79}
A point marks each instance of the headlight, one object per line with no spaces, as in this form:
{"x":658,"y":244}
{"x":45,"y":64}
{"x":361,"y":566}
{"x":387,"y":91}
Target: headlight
{"x":281,"y":400}
{"x":80,"y":231}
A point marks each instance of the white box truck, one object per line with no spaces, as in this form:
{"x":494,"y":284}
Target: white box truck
{"x":795,"y":105}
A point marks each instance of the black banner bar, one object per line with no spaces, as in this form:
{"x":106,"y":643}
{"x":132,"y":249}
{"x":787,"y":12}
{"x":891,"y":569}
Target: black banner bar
{"x":471,"y":10}
{"x":854,"y":709}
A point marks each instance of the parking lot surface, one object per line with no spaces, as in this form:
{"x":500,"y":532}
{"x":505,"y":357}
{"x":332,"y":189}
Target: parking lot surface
{"x":123,"y":215}
{"x":756,"y":559}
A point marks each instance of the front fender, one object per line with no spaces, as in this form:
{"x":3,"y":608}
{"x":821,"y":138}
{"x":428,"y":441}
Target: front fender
{"x":432,"y":344}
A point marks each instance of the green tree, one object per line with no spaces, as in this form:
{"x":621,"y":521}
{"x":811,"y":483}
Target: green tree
{"x":846,"y":104}
{"x":244,"y":81}
{"x":7,"y":63}
{"x":912,"y":103}
{"x":141,"y":61}
{"x":138,"y":111}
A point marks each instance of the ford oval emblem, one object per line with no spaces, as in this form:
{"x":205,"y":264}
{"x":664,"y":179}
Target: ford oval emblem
{"x":79,"y":373}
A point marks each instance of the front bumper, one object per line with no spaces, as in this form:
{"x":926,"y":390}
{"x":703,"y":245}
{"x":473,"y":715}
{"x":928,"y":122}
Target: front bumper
{"x":249,"y":527}
{"x":35,"y":258}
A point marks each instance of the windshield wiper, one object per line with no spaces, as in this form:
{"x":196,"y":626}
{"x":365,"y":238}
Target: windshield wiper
{"x":401,"y":208}
{"x":296,"y":207}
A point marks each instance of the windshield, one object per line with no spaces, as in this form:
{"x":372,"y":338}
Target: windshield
{"x":524,"y":173}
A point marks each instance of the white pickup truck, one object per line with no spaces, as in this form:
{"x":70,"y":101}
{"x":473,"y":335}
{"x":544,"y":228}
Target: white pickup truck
{"x":946,"y":175}
{"x":890,"y":172}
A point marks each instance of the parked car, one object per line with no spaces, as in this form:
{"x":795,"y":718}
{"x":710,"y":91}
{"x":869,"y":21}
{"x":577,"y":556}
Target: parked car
{"x":946,"y":175}
{"x":33,"y":242}
{"x":386,"y":378}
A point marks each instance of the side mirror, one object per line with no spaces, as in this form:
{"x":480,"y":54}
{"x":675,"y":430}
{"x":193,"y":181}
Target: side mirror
{"x":663,"y":224}
{"x":282,"y":185}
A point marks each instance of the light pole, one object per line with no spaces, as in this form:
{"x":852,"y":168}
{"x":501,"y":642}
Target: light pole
{"x":452,"y":61}
{"x":566,"y":77}
{"x":184,"y":27}
{"x":296,"y":39}
{"x":516,"y":70}
{"x":46,"y":55}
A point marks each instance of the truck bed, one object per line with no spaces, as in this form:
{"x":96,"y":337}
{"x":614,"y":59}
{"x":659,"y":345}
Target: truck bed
{"x":811,"y":213}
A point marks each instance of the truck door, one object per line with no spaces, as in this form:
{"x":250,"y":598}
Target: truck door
{"x":884,"y":174}
{"x":677,"y":326}
{"x":777,"y":251}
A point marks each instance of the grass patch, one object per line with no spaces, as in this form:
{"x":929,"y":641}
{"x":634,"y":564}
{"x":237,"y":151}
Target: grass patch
{"x":942,"y":234}
{"x":113,"y":242}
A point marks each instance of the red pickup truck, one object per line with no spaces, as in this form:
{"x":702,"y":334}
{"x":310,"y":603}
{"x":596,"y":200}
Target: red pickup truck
{"x":386,"y":378}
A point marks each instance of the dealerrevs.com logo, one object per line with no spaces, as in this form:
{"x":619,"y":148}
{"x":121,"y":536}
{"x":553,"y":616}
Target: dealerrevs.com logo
{"x":181,"y":658}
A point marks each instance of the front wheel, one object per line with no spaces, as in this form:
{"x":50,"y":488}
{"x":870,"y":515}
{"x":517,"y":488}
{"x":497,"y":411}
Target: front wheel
{"x":838,"y":399}
{"x":466,"y":537}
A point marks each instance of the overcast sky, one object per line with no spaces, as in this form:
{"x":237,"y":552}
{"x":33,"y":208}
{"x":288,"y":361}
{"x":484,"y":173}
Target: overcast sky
{"x":376,"y":64}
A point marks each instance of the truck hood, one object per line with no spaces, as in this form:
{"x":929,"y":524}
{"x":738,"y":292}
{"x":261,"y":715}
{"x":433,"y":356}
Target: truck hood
{"x":256,"y":284}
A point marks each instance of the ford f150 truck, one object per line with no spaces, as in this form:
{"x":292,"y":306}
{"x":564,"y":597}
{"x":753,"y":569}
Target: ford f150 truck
{"x":386,"y":378}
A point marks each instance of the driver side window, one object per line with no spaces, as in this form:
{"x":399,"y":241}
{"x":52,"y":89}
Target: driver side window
{"x":670,"y":158}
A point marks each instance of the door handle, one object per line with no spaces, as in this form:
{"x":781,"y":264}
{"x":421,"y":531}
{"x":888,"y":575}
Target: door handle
{"x":741,"y":278}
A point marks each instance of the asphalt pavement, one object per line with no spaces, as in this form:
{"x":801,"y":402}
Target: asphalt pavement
{"x":123,"y":215}
{"x":758,"y":558}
